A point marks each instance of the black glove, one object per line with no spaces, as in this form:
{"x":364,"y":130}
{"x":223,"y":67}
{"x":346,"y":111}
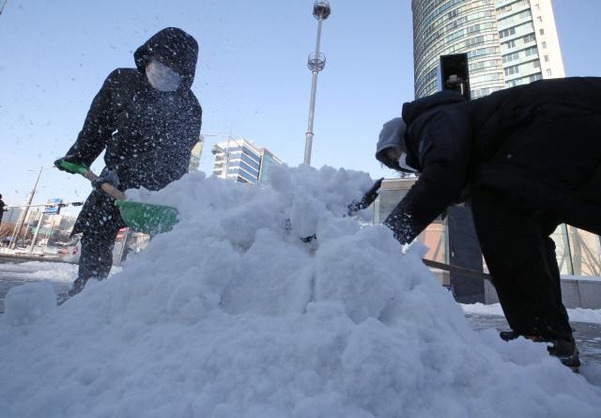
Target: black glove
{"x":106,"y":176}
{"x":66,"y":158}
{"x":404,"y":226}
{"x":308,"y":238}
{"x":368,"y":198}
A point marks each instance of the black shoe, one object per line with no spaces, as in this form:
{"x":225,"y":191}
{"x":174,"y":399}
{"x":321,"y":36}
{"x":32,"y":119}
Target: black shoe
{"x":62,"y":298}
{"x":566,"y":351}
{"x":512,"y":335}
{"x":65,"y":296}
{"x":77,"y":287}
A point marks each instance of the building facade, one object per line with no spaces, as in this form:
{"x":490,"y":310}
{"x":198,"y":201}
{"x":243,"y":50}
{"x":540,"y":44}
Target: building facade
{"x":195,"y":155}
{"x":508,"y":42}
{"x":240,"y":160}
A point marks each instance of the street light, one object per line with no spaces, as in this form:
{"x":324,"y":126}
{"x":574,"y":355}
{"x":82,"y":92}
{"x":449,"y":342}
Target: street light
{"x":316,"y":63}
{"x":23,"y":215}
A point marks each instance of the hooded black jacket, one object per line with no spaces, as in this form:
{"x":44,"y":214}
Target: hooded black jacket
{"x":539,"y":144}
{"x":147,"y":135}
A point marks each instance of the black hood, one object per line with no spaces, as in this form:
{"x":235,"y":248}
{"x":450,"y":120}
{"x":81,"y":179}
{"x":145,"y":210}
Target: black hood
{"x":414,"y":109}
{"x":172,"y":47}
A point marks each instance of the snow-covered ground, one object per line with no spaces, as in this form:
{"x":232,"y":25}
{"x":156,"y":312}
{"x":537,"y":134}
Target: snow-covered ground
{"x":232,"y":315}
{"x":592,"y":316}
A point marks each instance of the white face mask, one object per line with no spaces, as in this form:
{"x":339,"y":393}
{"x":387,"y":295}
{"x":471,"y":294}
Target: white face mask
{"x":162,"y":77}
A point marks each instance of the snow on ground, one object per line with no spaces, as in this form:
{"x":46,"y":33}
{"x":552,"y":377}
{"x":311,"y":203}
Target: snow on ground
{"x":232,"y":315}
{"x":592,"y":316}
{"x":57,"y":272}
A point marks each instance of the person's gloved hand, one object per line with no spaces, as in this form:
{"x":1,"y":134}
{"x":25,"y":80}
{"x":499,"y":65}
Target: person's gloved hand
{"x":106,"y":176}
{"x":68,"y":159}
{"x":368,"y":198}
{"x":403,"y":224}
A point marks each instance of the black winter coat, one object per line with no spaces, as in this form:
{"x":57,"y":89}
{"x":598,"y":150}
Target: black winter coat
{"x":539,"y":144}
{"x":147,"y":135}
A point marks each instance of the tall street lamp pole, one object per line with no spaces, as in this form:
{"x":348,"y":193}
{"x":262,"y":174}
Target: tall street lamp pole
{"x":23,"y":214}
{"x":316,"y":63}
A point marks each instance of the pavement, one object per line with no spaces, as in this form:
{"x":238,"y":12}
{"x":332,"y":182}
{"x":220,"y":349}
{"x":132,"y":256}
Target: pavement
{"x":587,"y":335}
{"x":19,"y":256}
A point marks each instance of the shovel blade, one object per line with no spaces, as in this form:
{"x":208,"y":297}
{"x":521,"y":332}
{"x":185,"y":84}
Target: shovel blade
{"x":147,"y":218}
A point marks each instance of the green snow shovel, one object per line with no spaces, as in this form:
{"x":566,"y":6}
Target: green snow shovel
{"x":142,"y":217}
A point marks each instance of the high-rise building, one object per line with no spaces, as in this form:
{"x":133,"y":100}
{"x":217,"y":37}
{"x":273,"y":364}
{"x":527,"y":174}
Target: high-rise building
{"x":529,"y":42}
{"x":240,"y":160}
{"x":508,"y":42}
{"x":195,"y":155}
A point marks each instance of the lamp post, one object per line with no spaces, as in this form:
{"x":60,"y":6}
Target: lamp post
{"x":23,"y":214}
{"x":316,"y":63}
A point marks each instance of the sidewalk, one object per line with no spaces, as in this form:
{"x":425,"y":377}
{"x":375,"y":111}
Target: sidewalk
{"x":22,"y":255}
{"x":587,"y":335}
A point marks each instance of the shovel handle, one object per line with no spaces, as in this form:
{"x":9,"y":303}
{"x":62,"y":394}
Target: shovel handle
{"x":475,"y":274}
{"x":107,"y":188}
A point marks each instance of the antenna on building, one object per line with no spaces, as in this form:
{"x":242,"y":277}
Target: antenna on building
{"x":316,"y":63}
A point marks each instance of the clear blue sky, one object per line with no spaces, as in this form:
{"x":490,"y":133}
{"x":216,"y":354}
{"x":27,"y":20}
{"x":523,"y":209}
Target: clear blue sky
{"x":252,"y":79}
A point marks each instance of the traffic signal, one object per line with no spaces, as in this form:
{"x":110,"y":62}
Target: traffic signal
{"x":454,"y":74}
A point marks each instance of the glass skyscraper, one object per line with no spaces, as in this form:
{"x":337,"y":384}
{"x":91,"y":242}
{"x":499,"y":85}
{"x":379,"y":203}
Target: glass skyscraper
{"x":508,"y":42}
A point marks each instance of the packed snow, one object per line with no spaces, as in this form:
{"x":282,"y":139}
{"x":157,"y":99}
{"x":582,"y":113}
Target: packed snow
{"x":231,"y":314}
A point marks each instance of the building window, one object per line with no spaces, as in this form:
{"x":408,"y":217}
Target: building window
{"x":549,"y":72}
{"x":541,"y":31}
{"x":546,"y":58}
{"x":531,"y":51}
{"x":511,"y":70}
{"x":507,"y":32}
{"x":529,"y":38}
{"x":511,"y":57}
{"x":509,"y":44}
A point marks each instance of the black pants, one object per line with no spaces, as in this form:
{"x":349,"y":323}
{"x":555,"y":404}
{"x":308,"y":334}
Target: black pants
{"x":521,"y":258}
{"x":99,"y":222}
{"x":97,"y":253}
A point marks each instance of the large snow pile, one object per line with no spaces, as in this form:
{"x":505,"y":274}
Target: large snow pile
{"x":231,"y":314}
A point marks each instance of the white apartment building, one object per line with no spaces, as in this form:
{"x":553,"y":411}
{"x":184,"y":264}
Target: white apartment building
{"x":240,"y":160}
{"x":529,"y":43}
